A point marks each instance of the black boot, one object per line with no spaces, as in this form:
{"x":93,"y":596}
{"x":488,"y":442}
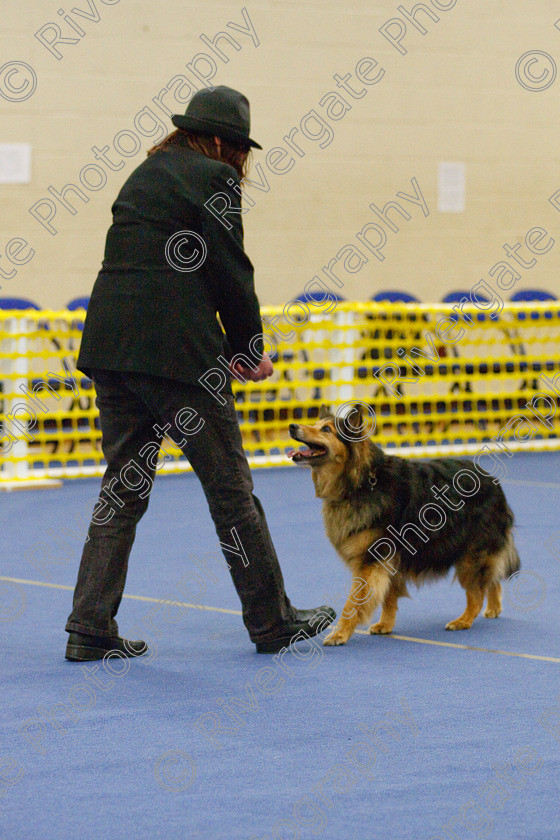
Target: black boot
{"x":82,"y":648}
{"x":307,"y":623}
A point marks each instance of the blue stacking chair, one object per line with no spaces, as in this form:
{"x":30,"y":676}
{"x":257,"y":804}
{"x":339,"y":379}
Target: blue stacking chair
{"x":456,"y":297}
{"x":319,"y":373}
{"x":73,"y":305}
{"x":483,"y":367}
{"x":387,"y":296}
{"x":78,"y":303}
{"x":17,"y":303}
{"x":532,"y":294}
{"x":528,"y":295}
{"x":288,"y":355}
{"x":394,"y":296}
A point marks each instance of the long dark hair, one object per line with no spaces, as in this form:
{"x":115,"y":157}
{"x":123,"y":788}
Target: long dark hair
{"x":237,"y":155}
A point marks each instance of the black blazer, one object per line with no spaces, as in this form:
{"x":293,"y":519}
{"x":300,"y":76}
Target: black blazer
{"x":146,"y":316}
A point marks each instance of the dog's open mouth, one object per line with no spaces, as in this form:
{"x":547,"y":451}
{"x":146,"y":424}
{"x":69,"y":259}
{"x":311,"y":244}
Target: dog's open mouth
{"x":312,"y":450}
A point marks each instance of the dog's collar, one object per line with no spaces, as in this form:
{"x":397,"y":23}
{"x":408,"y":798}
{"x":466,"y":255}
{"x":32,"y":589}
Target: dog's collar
{"x":366,"y":486}
{"x":369,"y":482}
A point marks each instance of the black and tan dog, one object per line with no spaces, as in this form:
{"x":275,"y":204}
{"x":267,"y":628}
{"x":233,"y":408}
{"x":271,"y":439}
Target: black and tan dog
{"x":395,"y":521}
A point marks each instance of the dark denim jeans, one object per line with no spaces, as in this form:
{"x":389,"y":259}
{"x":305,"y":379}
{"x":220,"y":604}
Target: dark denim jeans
{"x":136,"y":410}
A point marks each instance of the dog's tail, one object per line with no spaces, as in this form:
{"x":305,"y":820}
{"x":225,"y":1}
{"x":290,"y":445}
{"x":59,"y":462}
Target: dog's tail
{"x":513,"y":563}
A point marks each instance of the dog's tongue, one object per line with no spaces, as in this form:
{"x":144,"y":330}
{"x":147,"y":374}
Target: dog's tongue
{"x":298,"y":454}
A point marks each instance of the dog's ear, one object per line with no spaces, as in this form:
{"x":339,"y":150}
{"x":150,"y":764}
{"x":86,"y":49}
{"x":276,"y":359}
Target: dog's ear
{"x":324,"y":412}
{"x":354,"y":421}
{"x":356,"y":425}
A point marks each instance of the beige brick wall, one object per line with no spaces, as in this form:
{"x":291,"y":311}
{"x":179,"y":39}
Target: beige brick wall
{"x":452,"y":97}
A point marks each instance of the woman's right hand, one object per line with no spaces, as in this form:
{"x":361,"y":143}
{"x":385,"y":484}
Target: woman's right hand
{"x":264,"y":369}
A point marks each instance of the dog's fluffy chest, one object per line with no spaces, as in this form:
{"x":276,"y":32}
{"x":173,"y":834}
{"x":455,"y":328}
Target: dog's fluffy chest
{"x":343,"y":519}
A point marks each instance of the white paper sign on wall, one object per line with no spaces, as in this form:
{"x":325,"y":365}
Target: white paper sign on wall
{"x":15,"y":163}
{"x":451,"y":187}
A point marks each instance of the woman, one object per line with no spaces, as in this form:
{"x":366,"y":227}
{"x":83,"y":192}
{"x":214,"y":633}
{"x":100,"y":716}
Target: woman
{"x":150,"y":336}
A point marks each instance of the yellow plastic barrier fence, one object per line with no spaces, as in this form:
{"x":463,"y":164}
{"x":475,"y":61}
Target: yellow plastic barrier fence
{"x":434,"y":378}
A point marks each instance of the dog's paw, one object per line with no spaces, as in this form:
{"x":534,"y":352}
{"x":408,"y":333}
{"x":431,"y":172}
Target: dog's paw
{"x":336,"y":637}
{"x":491,"y":613}
{"x":380,"y":629}
{"x":458,"y":624}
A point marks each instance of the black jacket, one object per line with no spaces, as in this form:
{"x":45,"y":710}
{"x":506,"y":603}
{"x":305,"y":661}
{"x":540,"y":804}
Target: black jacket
{"x":146,"y":316}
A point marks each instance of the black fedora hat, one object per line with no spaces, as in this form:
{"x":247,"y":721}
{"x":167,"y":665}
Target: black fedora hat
{"x":219,"y":111}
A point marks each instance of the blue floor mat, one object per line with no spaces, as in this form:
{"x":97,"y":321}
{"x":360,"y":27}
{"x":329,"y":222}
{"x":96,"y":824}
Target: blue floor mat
{"x":385,"y":737}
